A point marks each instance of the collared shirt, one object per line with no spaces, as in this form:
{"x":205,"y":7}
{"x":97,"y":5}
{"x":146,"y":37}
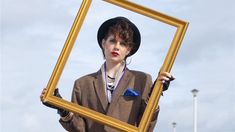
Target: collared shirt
{"x":109,"y":84}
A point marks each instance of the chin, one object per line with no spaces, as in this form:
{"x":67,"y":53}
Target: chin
{"x":115,"y":60}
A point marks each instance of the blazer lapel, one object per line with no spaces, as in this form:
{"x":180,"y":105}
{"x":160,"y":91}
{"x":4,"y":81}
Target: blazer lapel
{"x":100,"y":90}
{"x":122,"y":86}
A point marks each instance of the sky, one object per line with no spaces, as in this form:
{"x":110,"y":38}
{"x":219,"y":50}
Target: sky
{"x":33,"y":33}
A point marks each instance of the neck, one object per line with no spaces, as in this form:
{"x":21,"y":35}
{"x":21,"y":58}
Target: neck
{"x":112,"y":68}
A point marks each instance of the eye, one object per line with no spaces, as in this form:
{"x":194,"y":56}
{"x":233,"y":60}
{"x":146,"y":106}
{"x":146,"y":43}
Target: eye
{"x":112,"y":40}
{"x":123,"y":44}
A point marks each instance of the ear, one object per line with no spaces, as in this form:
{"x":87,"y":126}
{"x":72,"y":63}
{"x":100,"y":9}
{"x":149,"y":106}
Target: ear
{"x":103,"y":43}
{"x":128,"y":51}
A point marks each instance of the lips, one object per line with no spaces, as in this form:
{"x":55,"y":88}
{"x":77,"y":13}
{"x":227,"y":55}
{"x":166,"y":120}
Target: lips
{"x":114,"y":53}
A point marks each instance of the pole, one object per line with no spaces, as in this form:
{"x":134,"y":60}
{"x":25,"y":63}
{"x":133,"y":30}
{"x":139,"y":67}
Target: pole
{"x":174,"y":126}
{"x":194,"y":91}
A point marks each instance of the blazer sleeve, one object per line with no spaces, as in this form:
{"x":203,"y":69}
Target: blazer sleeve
{"x":145,"y":97}
{"x":77,"y":123}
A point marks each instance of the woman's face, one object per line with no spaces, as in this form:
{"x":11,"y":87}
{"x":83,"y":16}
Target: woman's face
{"x":115,"y":50}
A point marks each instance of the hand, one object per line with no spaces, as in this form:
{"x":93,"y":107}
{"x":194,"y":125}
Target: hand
{"x":60,"y":111}
{"x":165,"y":79}
{"x":56,"y":93}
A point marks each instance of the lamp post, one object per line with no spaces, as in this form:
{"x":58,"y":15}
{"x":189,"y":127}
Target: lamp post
{"x":174,"y":125}
{"x":194,"y":91}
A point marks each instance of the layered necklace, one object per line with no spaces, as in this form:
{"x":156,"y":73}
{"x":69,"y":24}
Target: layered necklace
{"x":112,"y":83}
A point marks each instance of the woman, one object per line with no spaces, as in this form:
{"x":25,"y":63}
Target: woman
{"x":114,"y":90}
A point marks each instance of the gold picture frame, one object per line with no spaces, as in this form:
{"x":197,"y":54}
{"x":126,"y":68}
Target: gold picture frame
{"x":156,"y":93}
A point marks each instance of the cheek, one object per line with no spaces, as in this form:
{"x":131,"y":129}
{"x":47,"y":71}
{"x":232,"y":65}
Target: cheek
{"x":107,"y":49}
{"x":124,"y":53}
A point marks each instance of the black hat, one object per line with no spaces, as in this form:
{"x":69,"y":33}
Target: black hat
{"x":105,"y":27}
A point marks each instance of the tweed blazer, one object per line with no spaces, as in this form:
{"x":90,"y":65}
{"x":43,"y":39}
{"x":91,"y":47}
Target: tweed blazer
{"x":89,"y":92}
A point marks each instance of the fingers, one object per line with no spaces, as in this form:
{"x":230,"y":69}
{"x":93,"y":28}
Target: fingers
{"x":43,"y":94}
{"x":165,"y":76}
{"x":56,"y":93}
{"x":163,"y":79}
{"x":168,"y":75}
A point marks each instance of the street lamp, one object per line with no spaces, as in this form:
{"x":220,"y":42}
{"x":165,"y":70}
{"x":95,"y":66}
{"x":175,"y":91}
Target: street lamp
{"x":174,"y":125}
{"x":194,"y":91}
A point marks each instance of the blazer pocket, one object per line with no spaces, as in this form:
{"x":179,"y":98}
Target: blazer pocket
{"x":129,"y":102}
{"x":129,"y":98}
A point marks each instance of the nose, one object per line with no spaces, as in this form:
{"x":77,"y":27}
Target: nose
{"x":117,"y":45}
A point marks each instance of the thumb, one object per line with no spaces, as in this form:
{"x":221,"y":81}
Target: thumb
{"x":56,"y":93}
